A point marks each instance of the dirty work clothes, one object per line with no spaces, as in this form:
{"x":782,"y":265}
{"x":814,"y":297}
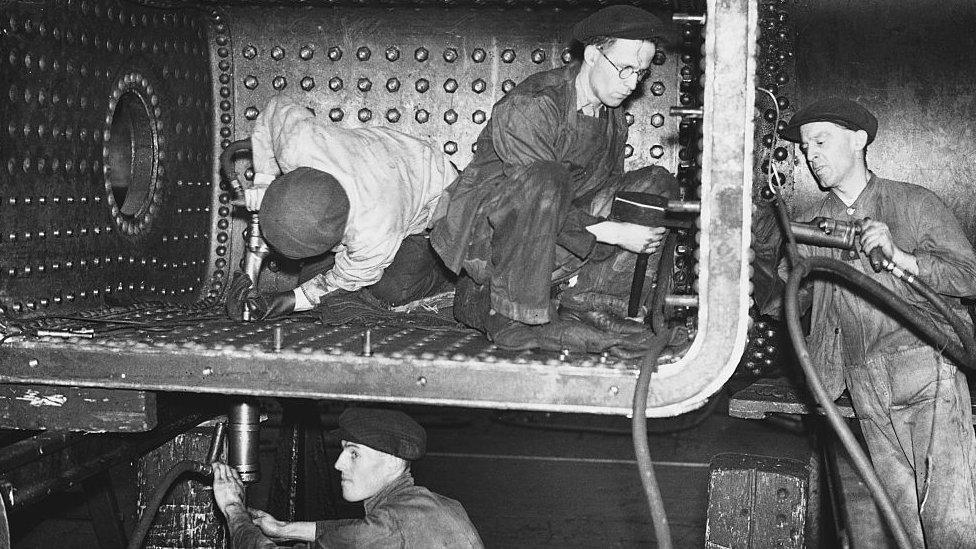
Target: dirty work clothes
{"x":401,"y":515}
{"x":891,"y":374}
{"x":540,"y":176}
{"x":845,"y":329}
{"x":393,"y":181}
{"x":916,"y":416}
{"x":416,"y":273}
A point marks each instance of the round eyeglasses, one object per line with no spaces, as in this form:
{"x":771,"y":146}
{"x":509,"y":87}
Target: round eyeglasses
{"x":627,"y":71}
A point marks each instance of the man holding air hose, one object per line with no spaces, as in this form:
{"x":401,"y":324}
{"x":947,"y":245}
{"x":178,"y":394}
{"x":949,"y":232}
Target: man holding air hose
{"x":912,"y":402}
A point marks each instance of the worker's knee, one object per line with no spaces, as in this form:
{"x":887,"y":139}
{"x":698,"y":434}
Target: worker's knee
{"x":650,"y":179}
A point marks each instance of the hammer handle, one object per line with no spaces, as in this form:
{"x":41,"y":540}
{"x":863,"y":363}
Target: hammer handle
{"x":637,"y":285}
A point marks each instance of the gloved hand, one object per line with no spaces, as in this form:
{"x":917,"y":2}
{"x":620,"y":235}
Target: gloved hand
{"x":237,"y":294}
{"x":241,"y":294}
{"x":268,"y":306}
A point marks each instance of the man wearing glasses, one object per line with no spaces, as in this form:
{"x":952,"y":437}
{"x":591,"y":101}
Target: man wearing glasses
{"x":529,"y":212}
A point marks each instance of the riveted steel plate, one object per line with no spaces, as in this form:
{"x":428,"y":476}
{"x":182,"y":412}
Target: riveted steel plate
{"x":105,"y":154}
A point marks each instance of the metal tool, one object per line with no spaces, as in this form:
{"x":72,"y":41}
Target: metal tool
{"x":256,"y":248}
{"x":827,"y":232}
{"x":650,"y":210}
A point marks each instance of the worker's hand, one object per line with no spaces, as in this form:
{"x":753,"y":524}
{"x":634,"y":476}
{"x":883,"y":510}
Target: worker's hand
{"x":629,"y":236}
{"x":253,"y":198}
{"x":268,"y":306}
{"x":238,"y":293}
{"x":876,"y":234}
{"x":228,"y":490}
{"x":270,"y":526}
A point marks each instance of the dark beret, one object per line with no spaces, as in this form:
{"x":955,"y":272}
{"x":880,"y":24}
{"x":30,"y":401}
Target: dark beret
{"x":842,"y":112}
{"x":304,"y":213}
{"x":388,"y":431}
{"x":619,"y":22}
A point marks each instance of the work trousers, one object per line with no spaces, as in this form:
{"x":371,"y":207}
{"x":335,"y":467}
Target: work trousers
{"x":525,"y":255}
{"x":916,"y":415}
{"x":416,"y":272}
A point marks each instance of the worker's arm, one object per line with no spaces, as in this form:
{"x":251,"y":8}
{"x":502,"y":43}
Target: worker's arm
{"x":525,"y":132}
{"x":228,"y":493}
{"x":943,"y":257}
{"x":358,"y":264}
{"x":280,"y":129}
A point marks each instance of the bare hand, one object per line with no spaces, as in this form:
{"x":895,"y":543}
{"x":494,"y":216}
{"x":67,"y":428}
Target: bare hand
{"x":270,"y":526}
{"x":629,"y":236}
{"x":227,"y":487}
{"x":253,"y":198}
{"x":876,"y":234}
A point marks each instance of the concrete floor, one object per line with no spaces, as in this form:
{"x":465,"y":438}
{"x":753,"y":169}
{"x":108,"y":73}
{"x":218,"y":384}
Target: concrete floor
{"x":544,"y":485}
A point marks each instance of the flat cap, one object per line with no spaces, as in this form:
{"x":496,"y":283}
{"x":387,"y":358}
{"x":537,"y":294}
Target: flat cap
{"x":388,"y":431}
{"x":626,"y":22}
{"x":304,"y":213}
{"x":842,"y":112}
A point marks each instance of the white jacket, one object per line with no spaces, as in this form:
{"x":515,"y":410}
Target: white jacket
{"x":393,"y":181}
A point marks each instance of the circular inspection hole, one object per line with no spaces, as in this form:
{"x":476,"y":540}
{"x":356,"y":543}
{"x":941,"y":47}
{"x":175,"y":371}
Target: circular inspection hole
{"x":131,"y":156}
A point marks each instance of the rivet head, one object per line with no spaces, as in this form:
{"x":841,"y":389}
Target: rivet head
{"x":657,"y":151}
{"x":478,"y":117}
{"x":278,"y":53}
{"x":335,"y":83}
{"x":364,"y":84}
{"x":308,"y":83}
{"x":250,"y":82}
{"x":421,"y":54}
{"x":422,"y":85}
{"x":306,"y":52}
{"x":657,"y":120}
{"x":335,"y":53}
{"x":279,"y":83}
{"x":450,"y":147}
{"x":393,"y":115}
{"x":628,"y":151}
{"x":507,"y":86}
{"x":392,"y":54}
{"x":421,"y":381}
{"x":508,"y":55}
{"x":479,"y":86}
{"x":251,"y":113}
{"x":363,"y":53}
{"x":614,"y":390}
{"x":207,"y":371}
{"x":422,"y":116}
{"x":335,"y":114}
{"x":451,"y":116}
{"x":450,"y":55}
{"x":658,"y":88}
{"x":450,"y":85}
{"x":478,"y":55}
{"x":538,"y":56}
{"x":392,"y":85}
{"x":365,"y":115}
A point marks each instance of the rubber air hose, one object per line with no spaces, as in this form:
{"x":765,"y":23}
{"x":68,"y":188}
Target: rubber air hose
{"x":662,"y":531}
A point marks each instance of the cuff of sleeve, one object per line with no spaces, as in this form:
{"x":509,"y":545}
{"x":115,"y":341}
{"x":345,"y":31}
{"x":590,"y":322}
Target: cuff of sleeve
{"x":263,"y":179}
{"x":302,"y":303}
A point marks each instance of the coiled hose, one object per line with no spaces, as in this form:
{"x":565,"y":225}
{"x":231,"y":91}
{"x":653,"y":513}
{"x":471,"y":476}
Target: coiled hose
{"x":965,"y":356}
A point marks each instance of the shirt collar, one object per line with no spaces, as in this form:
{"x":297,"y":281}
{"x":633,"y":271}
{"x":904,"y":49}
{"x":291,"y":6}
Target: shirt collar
{"x":863,"y":202}
{"x":402,"y":482}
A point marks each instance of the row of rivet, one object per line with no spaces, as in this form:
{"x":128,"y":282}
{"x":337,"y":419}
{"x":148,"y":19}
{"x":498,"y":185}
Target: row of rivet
{"x":44,"y":166}
{"x":32,"y":304}
{"x":422,"y":85}
{"x":226,"y":130}
{"x":53,"y":201}
{"x":68,"y":37}
{"x":98,"y":263}
{"x":112,"y":14}
{"x":32,"y":65}
{"x":58,"y":233}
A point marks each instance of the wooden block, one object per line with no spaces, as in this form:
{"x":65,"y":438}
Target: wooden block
{"x":76,"y":409}
{"x":756,"y":501}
